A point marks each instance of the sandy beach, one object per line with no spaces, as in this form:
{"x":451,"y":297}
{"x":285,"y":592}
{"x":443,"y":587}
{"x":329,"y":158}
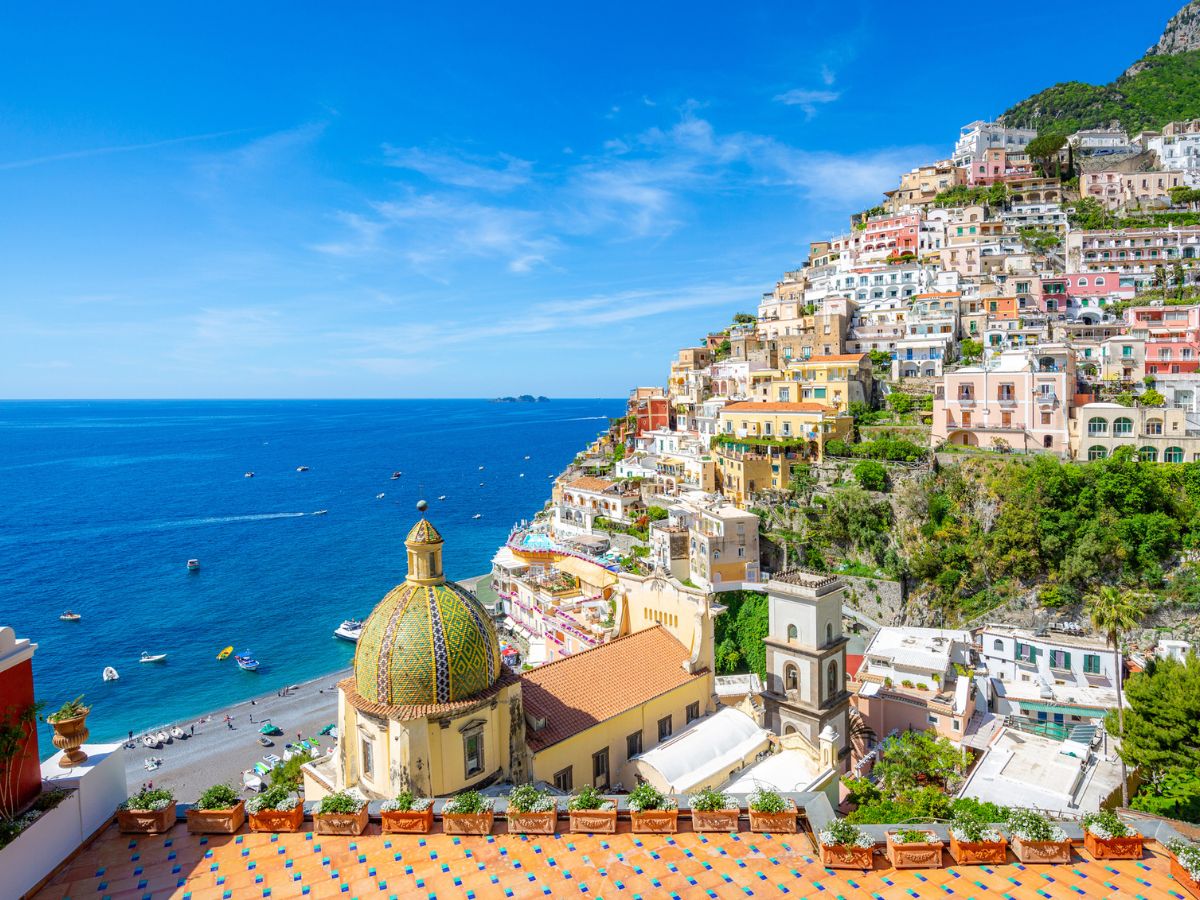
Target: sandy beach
{"x":217,"y":753}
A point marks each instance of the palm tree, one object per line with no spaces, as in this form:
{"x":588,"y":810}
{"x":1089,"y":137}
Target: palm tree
{"x":1113,"y":613}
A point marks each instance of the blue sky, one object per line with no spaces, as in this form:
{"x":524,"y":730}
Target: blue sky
{"x":364,"y":200}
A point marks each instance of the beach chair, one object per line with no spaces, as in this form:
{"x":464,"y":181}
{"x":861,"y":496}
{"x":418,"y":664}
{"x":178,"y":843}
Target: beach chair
{"x":272,"y":760}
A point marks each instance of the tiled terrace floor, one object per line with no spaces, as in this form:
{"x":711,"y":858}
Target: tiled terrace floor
{"x":504,"y":866}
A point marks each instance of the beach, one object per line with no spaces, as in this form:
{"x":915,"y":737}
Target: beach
{"x":218,"y":754}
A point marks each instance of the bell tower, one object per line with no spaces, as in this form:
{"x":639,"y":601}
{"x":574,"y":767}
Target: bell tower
{"x":424,"y":552}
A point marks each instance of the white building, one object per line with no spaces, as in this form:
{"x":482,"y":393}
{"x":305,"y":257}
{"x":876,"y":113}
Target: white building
{"x":976,"y":138}
{"x":922,"y":658}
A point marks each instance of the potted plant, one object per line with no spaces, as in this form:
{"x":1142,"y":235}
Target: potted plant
{"x":276,"y":809}
{"x":770,"y":813}
{"x":468,"y":813}
{"x":407,"y":814}
{"x":531,"y":811}
{"x":341,"y":813}
{"x":1185,"y":865}
{"x":1035,"y":839}
{"x":1106,"y":837}
{"x":651,"y":812}
{"x":714,"y":811}
{"x":147,"y":812}
{"x":973,"y":842}
{"x":219,"y":810}
{"x":70,"y":731}
{"x":914,"y":848}
{"x":591,"y":813}
{"x":846,"y":846}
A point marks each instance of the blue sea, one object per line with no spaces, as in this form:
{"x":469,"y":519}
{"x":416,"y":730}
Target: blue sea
{"x":103,"y":503}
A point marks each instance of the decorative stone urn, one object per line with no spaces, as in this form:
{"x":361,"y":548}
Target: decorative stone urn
{"x":1127,"y":846}
{"x":847,"y":856}
{"x":532,"y":822}
{"x":69,"y":736}
{"x":926,"y":854}
{"x":1041,"y":851}
{"x":468,"y":823}
{"x":593,"y":821}
{"x":774,"y":823}
{"x":720,"y":820}
{"x":146,"y":821}
{"x":978,"y":853}
{"x":654,"y":821}
{"x":216,"y":821}
{"x":407,"y":821}
{"x":342,"y":823}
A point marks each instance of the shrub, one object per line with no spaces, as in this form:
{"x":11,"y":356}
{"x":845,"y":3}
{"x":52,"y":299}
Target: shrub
{"x":276,"y":797}
{"x":70,"y":710}
{"x":341,"y":802}
{"x":871,"y":475}
{"x":971,"y":829}
{"x":526,"y":799}
{"x":1031,"y":826}
{"x":468,"y":803}
{"x":841,"y":833}
{"x":219,"y":796}
{"x":1106,"y":824}
{"x":911,"y":836}
{"x":767,"y":801}
{"x":152,"y":800}
{"x":709,"y":800}
{"x":589,"y":798}
{"x":406,"y":802}
{"x":287,"y":773}
{"x":646,"y":797}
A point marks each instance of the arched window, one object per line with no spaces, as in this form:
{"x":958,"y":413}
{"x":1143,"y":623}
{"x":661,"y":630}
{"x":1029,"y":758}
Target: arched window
{"x":791,"y":632}
{"x":1099,"y":281}
{"x":1097,"y":425}
{"x":1154,"y":426}
{"x":1148,"y":454}
{"x":1083,"y":282}
{"x":831,"y":679}
{"x":998,"y":644}
{"x":1173,"y":454}
{"x":1123,"y":425}
{"x":829,"y":632}
{"x":791,"y":678}
{"x":1097,"y":452}
{"x":789,"y":729}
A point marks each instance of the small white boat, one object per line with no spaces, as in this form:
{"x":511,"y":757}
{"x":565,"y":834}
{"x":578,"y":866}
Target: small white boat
{"x":477,"y":516}
{"x":522,"y":475}
{"x":301,"y":468}
{"x":151,"y":741}
{"x":178,"y":733}
{"x":152,"y":657}
{"x":349,"y":630}
{"x":481,"y":468}
{"x":320,"y":512}
{"x":481,"y":484}
{"x":248,"y":475}
{"x":245,"y":661}
{"x":396,"y":475}
{"x":252,"y":782}
{"x":69,"y":616}
{"x":527,"y":457}
{"x":379,"y":496}
{"x":163,"y":737}
{"x":110,"y":674}
{"x":441,"y":496}
{"x":193,"y":565}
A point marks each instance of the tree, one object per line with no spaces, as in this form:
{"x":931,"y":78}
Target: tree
{"x":744,"y":319}
{"x":1179,"y":276}
{"x":871,"y":475}
{"x":912,"y":759}
{"x":970,"y":350}
{"x":900,"y":403}
{"x":1151,"y":397}
{"x":656,"y":513}
{"x":1113,"y":613}
{"x":880,"y":360}
{"x":17,"y":725}
{"x":1044,"y":150}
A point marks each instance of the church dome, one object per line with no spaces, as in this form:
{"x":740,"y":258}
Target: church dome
{"x":428,"y":641}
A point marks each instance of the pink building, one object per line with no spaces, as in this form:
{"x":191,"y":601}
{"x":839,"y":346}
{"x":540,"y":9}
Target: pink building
{"x":1172,"y":336}
{"x":1021,"y":400}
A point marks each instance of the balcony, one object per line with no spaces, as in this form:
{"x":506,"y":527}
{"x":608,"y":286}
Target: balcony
{"x":1047,"y":399}
{"x":967,"y":400}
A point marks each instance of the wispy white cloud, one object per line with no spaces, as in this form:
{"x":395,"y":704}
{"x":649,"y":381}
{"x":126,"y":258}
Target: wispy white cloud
{"x":500,"y":174}
{"x":828,"y":76}
{"x":120,"y":148}
{"x":808,"y":100}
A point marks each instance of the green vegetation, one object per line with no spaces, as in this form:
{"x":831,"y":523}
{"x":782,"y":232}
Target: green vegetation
{"x":1105,"y":824}
{"x":287,"y":775}
{"x":744,"y":319}
{"x":914,"y":759}
{"x":889,"y":448}
{"x":738,"y":633}
{"x":17,"y":726}
{"x":1044,"y":150}
{"x":920,"y":804}
{"x":970,"y":350}
{"x":527,"y":798}
{"x":646,"y":797}
{"x":656,"y":513}
{"x":149,"y":799}
{"x":468,"y":803}
{"x":340,"y":803}
{"x":880,"y":359}
{"x":961,"y":195}
{"x":1039,"y":239}
{"x":711,"y":800}
{"x":1090,"y":213}
{"x":219,"y":796}
{"x":72,"y":709}
{"x":764,"y":800}
{"x":1166,"y":89}
{"x":871,"y":475}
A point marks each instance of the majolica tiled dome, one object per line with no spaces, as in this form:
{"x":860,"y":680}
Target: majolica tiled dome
{"x":428,"y":641}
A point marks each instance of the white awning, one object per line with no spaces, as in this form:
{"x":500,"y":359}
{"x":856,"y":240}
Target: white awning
{"x":707,"y":747}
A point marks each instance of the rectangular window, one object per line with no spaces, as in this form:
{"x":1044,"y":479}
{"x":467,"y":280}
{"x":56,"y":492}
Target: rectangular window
{"x":693,"y":711}
{"x":368,"y":758}
{"x":1060,"y":659}
{"x":633,"y":745}
{"x":473,"y":752}
{"x":1091,"y":663}
{"x":600,"y":768}
{"x":565,"y":780}
{"x":664,"y":728}
{"x":933,"y":720}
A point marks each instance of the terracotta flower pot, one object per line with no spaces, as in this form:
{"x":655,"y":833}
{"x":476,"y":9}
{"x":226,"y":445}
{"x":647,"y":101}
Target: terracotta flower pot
{"x":69,"y":736}
{"x":847,"y":856}
{"x":593,"y":821}
{"x":146,"y":821}
{"x":1127,"y":847}
{"x":216,"y":821}
{"x":978,"y":853}
{"x":721,"y":820}
{"x":654,"y":821}
{"x":1180,"y":874}
{"x":278,"y":820}
{"x":532,"y":822}
{"x":1041,"y":851}
{"x":468,"y":823}
{"x":925,"y":855}
{"x":774,"y":823}
{"x":407,"y":821}
{"x":342,"y":823}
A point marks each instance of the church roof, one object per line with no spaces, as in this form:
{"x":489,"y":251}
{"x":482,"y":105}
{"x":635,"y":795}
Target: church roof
{"x":579,"y":691}
{"x":423,"y":533}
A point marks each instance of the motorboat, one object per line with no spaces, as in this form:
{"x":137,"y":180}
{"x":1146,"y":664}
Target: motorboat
{"x":349,"y":630}
{"x":152,"y":657}
{"x":251,"y":782}
{"x":110,"y":674}
{"x":481,"y":468}
{"x":151,"y":741}
{"x":441,"y":496}
{"x":224,"y":654}
{"x":481,"y":484}
{"x":193,"y":565}
{"x":379,"y":496}
{"x":396,"y":475}
{"x":248,"y":475}
{"x":163,"y":737}
{"x":245,"y":661}
{"x":477,"y":516}
{"x":301,"y":468}
{"x":320,"y":512}
{"x":178,"y":733}
{"x":69,"y":616}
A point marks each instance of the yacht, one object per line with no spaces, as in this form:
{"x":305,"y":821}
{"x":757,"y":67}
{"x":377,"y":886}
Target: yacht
{"x":477,"y":516}
{"x":349,"y":630}
{"x":152,"y":657}
{"x":245,"y":661}
{"x":193,"y":565}
{"x":69,"y":616}
{"x":320,"y":512}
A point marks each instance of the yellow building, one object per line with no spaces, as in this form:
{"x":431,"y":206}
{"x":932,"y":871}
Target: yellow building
{"x":836,"y":381}
{"x":785,"y":422}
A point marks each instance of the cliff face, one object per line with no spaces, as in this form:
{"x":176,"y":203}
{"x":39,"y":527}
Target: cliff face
{"x":1181,"y":35}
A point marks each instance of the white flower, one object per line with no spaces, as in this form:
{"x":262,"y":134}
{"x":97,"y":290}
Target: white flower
{"x":987,"y":835}
{"x":861,"y":839}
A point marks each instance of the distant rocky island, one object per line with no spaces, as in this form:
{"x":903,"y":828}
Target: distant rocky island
{"x":524,"y":398}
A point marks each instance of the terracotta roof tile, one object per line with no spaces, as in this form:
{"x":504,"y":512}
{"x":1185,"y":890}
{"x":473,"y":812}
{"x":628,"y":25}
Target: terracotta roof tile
{"x":580,"y":691}
{"x":591,"y":483}
{"x":751,"y":406}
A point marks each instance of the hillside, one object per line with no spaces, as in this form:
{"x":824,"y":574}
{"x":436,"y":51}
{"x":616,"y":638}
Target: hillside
{"x":1164,"y":85}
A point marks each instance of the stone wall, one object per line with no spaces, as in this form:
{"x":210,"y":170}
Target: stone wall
{"x":876,"y":598}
